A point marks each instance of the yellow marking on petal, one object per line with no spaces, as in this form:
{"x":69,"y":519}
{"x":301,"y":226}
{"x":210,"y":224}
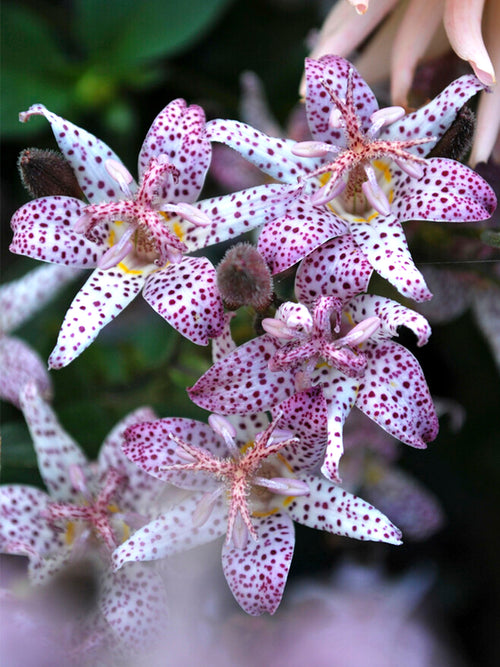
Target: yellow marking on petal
{"x":284,"y":462}
{"x":126,"y":532}
{"x":321,"y":364}
{"x":264,"y":514}
{"x":125,"y":268}
{"x":288,"y":500}
{"x":69,"y":535}
{"x":113,"y":508}
{"x":384,"y":168}
{"x":247,"y":445}
{"x":118,"y":222}
{"x":179,"y":231}
{"x":111,"y":238}
{"x":391,"y":196}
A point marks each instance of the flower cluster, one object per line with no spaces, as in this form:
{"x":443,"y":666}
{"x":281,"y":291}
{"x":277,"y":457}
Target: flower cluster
{"x":272,"y":452}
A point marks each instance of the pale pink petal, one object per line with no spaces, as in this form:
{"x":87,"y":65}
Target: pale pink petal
{"x":254,"y":107}
{"x":100,"y":300}
{"x":338,"y":268}
{"x":56,"y":450}
{"x":242,"y":383}
{"x":391,"y":314}
{"x":383,"y":242}
{"x":20,"y":364}
{"x":285,"y":241}
{"x":43,"y":229}
{"x":187,"y":296}
{"x":86,"y":154}
{"x":257,"y":574}
{"x":134,"y":603}
{"x":486,"y":305}
{"x":329,"y":507}
{"x":22,"y":298}
{"x":223,"y":344}
{"x":395,"y":395}
{"x":172,"y":532}
{"x":462,"y":21}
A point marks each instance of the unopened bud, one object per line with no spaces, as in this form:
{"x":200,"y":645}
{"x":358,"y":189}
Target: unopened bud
{"x":45,"y":173}
{"x":244,"y":279}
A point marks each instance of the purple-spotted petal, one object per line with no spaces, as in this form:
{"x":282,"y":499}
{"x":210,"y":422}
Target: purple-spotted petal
{"x":333,"y":70}
{"x":285,"y":241}
{"x":448,"y":191}
{"x":134,"y":603}
{"x":100,"y":300}
{"x":179,"y":133}
{"x":223,"y":344}
{"x":242,"y":382}
{"x":257,"y":574}
{"x":43,"y":229}
{"x":434,"y":118}
{"x":172,"y":532}
{"x":395,"y":395}
{"x":20,"y":364}
{"x":383,"y":242}
{"x":391,"y":314}
{"x":56,"y":451}
{"x":271,"y":155}
{"x":338,"y":268}
{"x":187,"y":296}
{"x":150,"y":447}
{"x":86,"y":154}
{"x":329,"y":507}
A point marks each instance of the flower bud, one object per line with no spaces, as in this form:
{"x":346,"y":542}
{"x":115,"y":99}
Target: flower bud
{"x":244,"y":279}
{"x":45,"y":173}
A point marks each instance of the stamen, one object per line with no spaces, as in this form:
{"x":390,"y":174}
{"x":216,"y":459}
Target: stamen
{"x":189,"y":213}
{"x":313,"y":148}
{"x":360,"y":333}
{"x":336,"y":120}
{"x":117,"y":252}
{"x":376,"y":197}
{"x":78,"y":481}
{"x":240,"y":532}
{"x":277,"y":328}
{"x":284,"y":486}
{"x":410,"y":167}
{"x":328,"y":192}
{"x":120,"y":174}
{"x":226,"y":430}
{"x":384,"y":117}
{"x":205,"y":506}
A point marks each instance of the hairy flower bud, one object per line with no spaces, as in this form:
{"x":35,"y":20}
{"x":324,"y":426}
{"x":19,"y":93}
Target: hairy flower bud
{"x":244,"y":279}
{"x":45,"y":173}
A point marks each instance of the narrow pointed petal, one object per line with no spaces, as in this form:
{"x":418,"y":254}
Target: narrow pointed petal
{"x":462,"y":22}
{"x":86,"y":154}
{"x":221,"y":389}
{"x":151,"y":448}
{"x":488,"y":126}
{"x":55,"y":449}
{"x":448,"y":191}
{"x":43,"y":229}
{"x":338,"y":268}
{"x":330,"y":508}
{"x":186,"y":295}
{"x":288,"y":239}
{"x":395,"y":395}
{"x":436,"y":117}
{"x":273,"y":156}
{"x":257,"y":574}
{"x":334,"y":70}
{"x":383,"y":242}
{"x":101,"y":299}
{"x":391,"y":314}
{"x":171,"y":533}
{"x":22,"y":298}
{"x":134,"y":603}
{"x":20,"y":364}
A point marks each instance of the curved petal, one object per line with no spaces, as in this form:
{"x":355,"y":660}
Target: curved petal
{"x":171,"y":533}
{"x":101,"y":299}
{"x":391,"y":314}
{"x":287,"y":240}
{"x":150,"y":447}
{"x":187,"y":296}
{"x":242,"y":383}
{"x":134,"y":603}
{"x":338,"y":268}
{"x":436,"y":117}
{"x":271,"y":155}
{"x":257,"y":574}
{"x":22,"y":298}
{"x":56,"y":450}
{"x":329,"y":507}
{"x":333,"y":70}
{"x":383,"y":242}
{"x":43,"y":229}
{"x":395,"y":395}
{"x":239,"y":212}
{"x":447,"y":192}
{"x":86,"y":154}
{"x":20,"y":364}
{"x":179,"y":133}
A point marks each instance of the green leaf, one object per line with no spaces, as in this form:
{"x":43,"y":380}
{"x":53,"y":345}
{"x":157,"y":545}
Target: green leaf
{"x":125,"y":32}
{"x":491,"y":237}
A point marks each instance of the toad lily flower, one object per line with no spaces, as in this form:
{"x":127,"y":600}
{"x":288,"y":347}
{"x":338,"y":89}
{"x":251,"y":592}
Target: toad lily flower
{"x":89,"y":509}
{"x":365,"y":172}
{"x":248,"y":484}
{"x":305,"y":347}
{"x":137,"y":235}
